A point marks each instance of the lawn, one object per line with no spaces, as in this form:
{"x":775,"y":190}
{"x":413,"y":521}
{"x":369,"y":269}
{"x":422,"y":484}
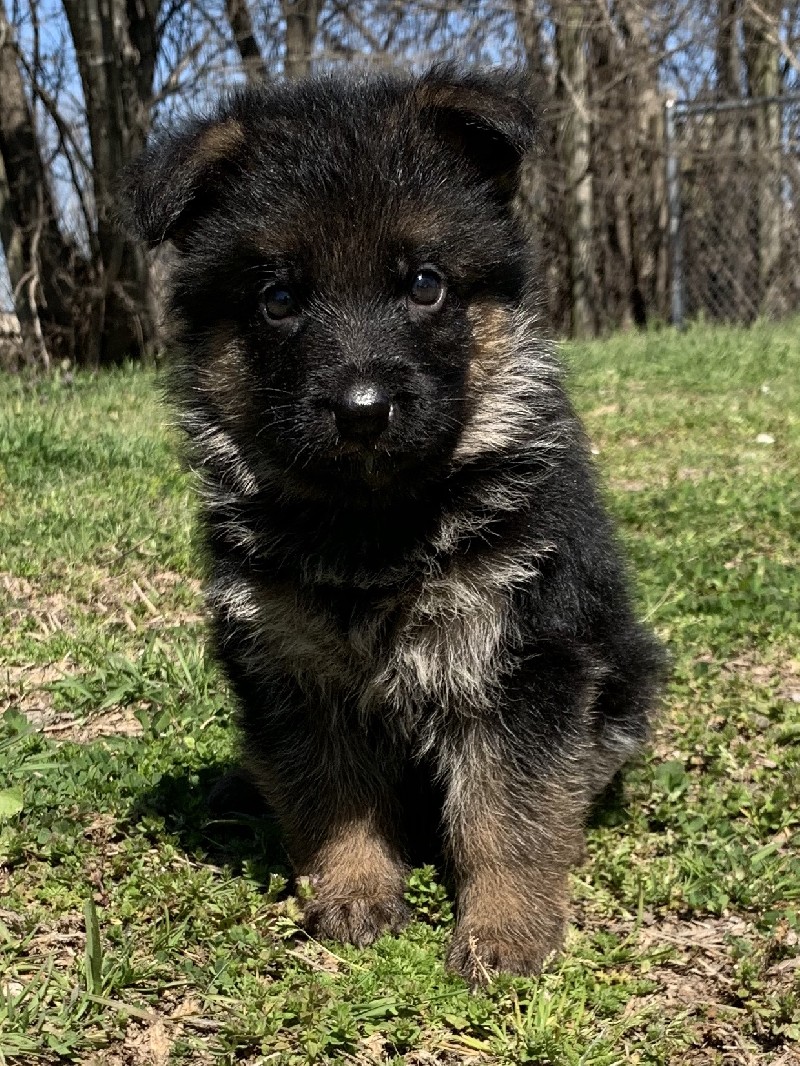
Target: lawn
{"x":137,"y":926}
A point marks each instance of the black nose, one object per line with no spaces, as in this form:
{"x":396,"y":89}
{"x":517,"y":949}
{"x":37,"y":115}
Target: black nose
{"x":363,"y":413}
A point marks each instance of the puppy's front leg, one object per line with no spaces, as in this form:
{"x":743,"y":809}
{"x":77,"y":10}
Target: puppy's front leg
{"x":331,"y":793}
{"x":514,"y":814}
{"x":358,"y":881}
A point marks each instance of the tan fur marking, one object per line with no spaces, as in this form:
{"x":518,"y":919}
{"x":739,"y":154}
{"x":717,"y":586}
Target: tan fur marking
{"x":422,"y":225}
{"x":498,"y":886}
{"x":491,"y":331}
{"x":224,"y":373}
{"x":447,"y":647}
{"x":347,"y":850}
{"x":223,"y":378}
{"x":507,"y":925}
{"x":466,"y":101}
{"x":356,"y":859}
{"x":445,"y":650}
{"x":219,"y":142}
{"x":288,"y":635}
{"x":508,"y":375}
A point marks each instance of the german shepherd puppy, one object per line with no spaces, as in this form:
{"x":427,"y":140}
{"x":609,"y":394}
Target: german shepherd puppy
{"x":415,"y":589}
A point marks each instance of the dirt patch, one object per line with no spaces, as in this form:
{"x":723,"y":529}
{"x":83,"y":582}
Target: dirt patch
{"x":162,"y":600}
{"x":691,"y":473}
{"x":115,"y":722}
{"x":60,"y":943}
{"x":709,"y":935}
{"x":779,"y":674}
{"x":147,"y":601}
{"x":149,"y":1044}
{"x":444,"y":1055}
{"x":782,"y":674}
{"x":24,"y":689}
{"x":151,"y":1036}
{"x":604,"y":409}
{"x":699,"y":974}
{"x":316,"y":957}
{"x":699,"y":982}
{"x":22,"y":600}
{"x":628,"y":485}
{"x":789,"y":687}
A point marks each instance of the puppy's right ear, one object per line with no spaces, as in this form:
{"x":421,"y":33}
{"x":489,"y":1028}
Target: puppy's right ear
{"x":177,"y":179}
{"x":487,"y":118}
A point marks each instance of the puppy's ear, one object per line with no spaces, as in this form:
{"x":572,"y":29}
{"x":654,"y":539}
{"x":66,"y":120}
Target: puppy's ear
{"x":488,"y":119}
{"x":177,"y":179}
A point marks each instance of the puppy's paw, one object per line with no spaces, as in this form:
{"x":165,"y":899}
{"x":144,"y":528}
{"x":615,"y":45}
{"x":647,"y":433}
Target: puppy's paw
{"x":476,"y":953}
{"x":358,"y":920}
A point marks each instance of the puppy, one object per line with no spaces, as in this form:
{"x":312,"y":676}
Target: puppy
{"x":416,"y":593}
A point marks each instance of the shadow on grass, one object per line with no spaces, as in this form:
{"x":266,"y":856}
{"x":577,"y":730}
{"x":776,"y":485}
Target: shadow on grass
{"x":217,"y":816}
{"x":609,"y":808}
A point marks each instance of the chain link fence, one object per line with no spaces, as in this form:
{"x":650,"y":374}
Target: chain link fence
{"x":733,"y":172}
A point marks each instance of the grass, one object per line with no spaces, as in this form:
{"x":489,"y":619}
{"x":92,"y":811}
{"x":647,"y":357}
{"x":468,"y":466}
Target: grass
{"x":137,"y":928}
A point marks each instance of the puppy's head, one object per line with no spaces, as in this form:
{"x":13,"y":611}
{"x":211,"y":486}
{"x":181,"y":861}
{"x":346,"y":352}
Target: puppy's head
{"x":347,"y":253}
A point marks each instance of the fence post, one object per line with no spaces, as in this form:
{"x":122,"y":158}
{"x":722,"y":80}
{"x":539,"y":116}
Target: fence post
{"x":674,"y":211}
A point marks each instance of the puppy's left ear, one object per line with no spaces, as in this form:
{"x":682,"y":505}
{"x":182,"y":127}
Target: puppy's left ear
{"x":178,"y":178}
{"x":488,"y":119}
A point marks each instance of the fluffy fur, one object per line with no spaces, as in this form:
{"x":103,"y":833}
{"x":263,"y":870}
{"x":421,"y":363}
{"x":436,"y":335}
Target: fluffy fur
{"x":428,"y":632}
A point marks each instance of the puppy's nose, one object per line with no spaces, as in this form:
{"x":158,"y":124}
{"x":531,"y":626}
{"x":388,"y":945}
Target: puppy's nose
{"x":363,"y":413}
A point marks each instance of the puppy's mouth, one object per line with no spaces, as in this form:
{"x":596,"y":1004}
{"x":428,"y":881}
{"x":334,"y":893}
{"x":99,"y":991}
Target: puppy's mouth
{"x":367,"y":448}
{"x":372,"y":462}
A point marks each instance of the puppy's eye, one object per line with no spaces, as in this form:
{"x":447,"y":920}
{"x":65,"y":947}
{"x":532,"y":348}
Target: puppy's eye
{"x":277,"y":302}
{"x":427,"y":288}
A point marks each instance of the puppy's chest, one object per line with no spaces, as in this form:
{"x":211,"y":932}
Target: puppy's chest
{"x":439,"y":643}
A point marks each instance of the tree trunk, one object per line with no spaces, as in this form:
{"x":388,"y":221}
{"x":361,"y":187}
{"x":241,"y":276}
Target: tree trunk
{"x":646,"y":194}
{"x":116,"y":48}
{"x":762,"y":57}
{"x":39,"y":260}
{"x":540,"y":200}
{"x":728,"y":60}
{"x":301,"y":30}
{"x":301,"y":18}
{"x":571,"y":42}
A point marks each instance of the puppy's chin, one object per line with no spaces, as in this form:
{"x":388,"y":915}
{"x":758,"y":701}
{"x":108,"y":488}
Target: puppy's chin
{"x":374,"y":470}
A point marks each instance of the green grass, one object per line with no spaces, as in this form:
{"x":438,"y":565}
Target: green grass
{"x":134,"y":928}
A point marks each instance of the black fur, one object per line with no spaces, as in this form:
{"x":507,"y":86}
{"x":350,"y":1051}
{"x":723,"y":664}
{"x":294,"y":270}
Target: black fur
{"x":445,"y":598}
